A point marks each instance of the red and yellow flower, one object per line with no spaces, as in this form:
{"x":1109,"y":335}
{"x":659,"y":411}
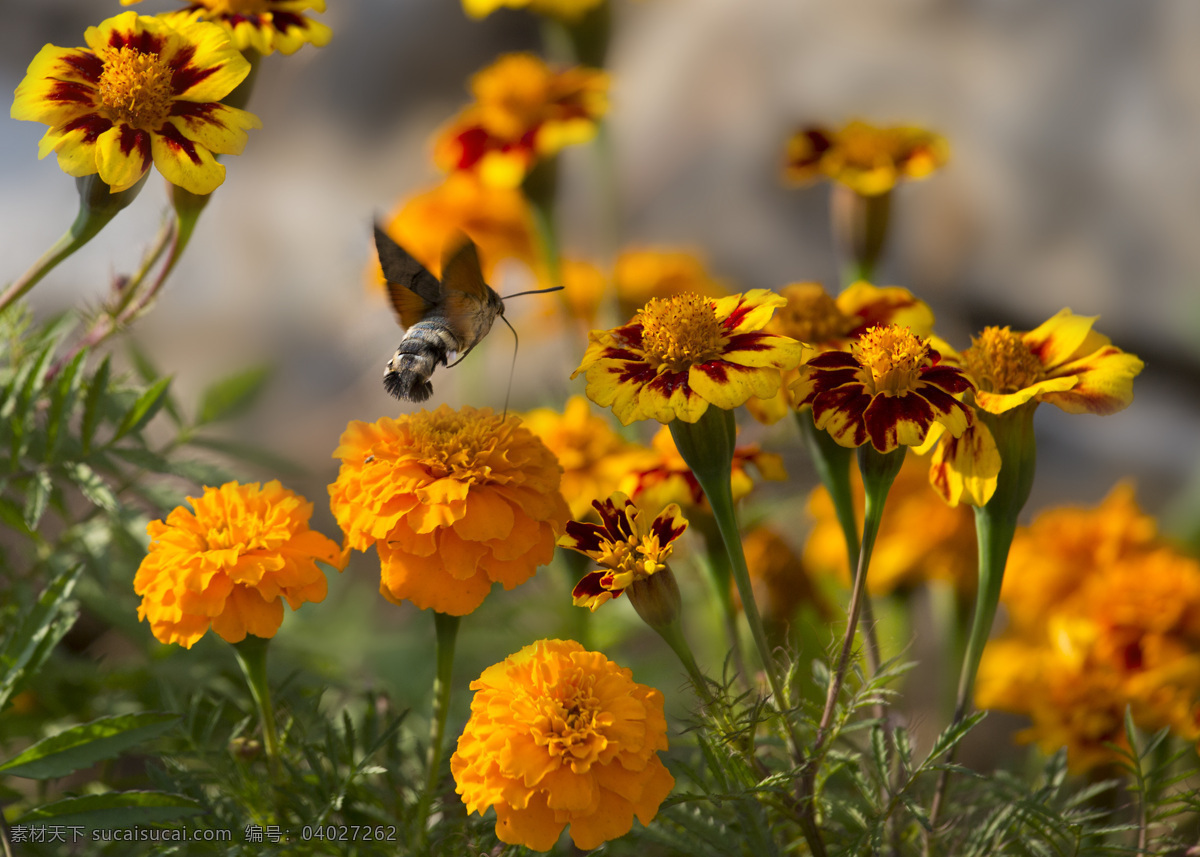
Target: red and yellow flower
{"x":230,"y":562}
{"x":869,"y":160}
{"x":562,"y":736}
{"x":627,"y":546}
{"x":827,"y":323}
{"x":453,"y":501}
{"x":262,"y":25}
{"x":523,"y":111}
{"x":142,"y":92}
{"x":888,"y":390}
{"x":682,"y":354}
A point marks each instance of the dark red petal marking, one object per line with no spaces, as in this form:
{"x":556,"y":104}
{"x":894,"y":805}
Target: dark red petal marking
{"x":668,"y":382}
{"x":173,"y":138}
{"x":133,"y":139}
{"x":145,"y":41}
{"x":818,"y":144}
{"x":589,"y":585}
{"x":588,"y":537}
{"x":880,"y":312}
{"x":472,"y":146}
{"x":717,"y":370}
{"x":735,"y":318}
{"x":668,"y":528}
{"x":69,"y":91}
{"x":944,"y":402}
{"x":621,"y":354}
{"x":85,"y":64}
{"x":93,"y":124}
{"x":831,"y":379}
{"x":755,"y":340}
{"x":615,"y":525}
{"x":885,"y":413}
{"x":634,"y":373}
{"x":850,"y":401}
{"x":201,"y":110}
{"x":949,"y":378}
{"x":630,"y":335}
{"x":184,"y":75}
{"x":834,"y":360}
{"x":284,"y":21}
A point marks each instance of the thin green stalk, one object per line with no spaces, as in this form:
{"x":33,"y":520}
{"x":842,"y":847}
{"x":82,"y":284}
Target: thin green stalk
{"x":251,"y":656}
{"x":672,"y":633}
{"x":447,"y":635}
{"x":720,"y":578}
{"x":860,"y":228}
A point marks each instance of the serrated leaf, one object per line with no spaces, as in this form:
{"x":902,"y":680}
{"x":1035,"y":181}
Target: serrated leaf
{"x":228,"y":396}
{"x":954,"y":733}
{"x":144,"y":409}
{"x":113,"y":810}
{"x":97,"y":387}
{"x":36,"y":633}
{"x":62,"y":399}
{"x":37,"y":496}
{"x":92,"y":487}
{"x":84,"y":745}
{"x":149,"y":374}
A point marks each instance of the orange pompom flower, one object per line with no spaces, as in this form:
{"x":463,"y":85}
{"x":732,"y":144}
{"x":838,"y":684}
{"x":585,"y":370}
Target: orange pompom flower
{"x":230,"y":563}
{"x":453,"y":501}
{"x":143,"y":92}
{"x":262,"y":25}
{"x":562,"y":736}
{"x":869,"y":160}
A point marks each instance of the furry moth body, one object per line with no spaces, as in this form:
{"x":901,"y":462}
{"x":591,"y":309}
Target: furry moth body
{"x":440,"y":318}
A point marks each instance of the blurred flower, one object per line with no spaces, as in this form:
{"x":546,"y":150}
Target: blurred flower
{"x":867,"y":159}
{"x":264,"y":25}
{"x":666,"y":478}
{"x":1104,"y":616}
{"x":230,"y":563}
{"x":142,"y":92}
{"x":453,"y":501}
{"x":628,"y":548}
{"x":594,"y":458}
{"x":559,"y":735}
{"x":567,"y":10}
{"x":780,"y":579}
{"x":681,"y":354}
{"x":496,"y":219}
{"x":523,"y":111}
{"x":643,"y":273}
{"x":584,"y":288}
{"x":827,"y":323}
{"x":889,"y":389}
{"x":920,"y":538}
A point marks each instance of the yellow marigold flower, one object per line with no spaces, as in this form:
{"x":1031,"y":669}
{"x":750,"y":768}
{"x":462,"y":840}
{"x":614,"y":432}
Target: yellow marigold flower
{"x":230,"y":563}
{"x":523,"y":111}
{"x":889,"y":389}
{"x":142,"y":92}
{"x":827,"y":323}
{"x":867,"y":159}
{"x":780,"y":578}
{"x":263,"y":25}
{"x":643,"y":273}
{"x":681,"y":354}
{"x":626,"y":546}
{"x":453,"y":501}
{"x":594,"y":458}
{"x":496,"y":219}
{"x":567,"y":10}
{"x":665,"y":477}
{"x":920,"y":538}
{"x":559,"y":735}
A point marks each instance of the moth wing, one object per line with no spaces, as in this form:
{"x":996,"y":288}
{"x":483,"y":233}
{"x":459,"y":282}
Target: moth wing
{"x":470,"y":304}
{"x":411,"y":288}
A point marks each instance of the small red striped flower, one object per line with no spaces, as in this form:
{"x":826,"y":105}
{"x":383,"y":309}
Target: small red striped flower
{"x":142,"y":92}
{"x":265,"y":26}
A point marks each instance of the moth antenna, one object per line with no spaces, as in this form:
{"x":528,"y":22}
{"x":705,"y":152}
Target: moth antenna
{"x":513,"y":368}
{"x":533,"y":292}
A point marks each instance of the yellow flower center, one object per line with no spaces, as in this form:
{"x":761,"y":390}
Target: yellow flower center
{"x":810,"y":315}
{"x":1001,"y":362}
{"x":894,"y":356}
{"x":136,"y":88}
{"x":681,"y":331}
{"x":455,"y":443}
{"x":572,"y":718}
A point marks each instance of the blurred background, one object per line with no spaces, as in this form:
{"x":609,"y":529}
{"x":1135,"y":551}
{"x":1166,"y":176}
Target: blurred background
{"x":1074,"y":182}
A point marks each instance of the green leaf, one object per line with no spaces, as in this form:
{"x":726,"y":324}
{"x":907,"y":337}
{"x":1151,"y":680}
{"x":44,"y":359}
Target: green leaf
{"x":113,"y":809}
{"x":36,"y":633}
{"x":232,"y":394}
{"x":36,"y":498}
{"x":97,"y":387}
{"x":144,"y":408}
{"x":62,"y":400}
{"x":92,"y":487}
{"x":84,"y":745}
{"x":149,"y":373}
{"x":251,"y":455}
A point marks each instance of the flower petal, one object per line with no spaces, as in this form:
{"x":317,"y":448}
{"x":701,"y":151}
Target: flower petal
{"x":965,"y":468}
{"x":1103,"y":382}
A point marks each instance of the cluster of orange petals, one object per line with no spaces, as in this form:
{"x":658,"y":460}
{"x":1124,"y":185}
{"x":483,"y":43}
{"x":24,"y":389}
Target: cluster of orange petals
{"x":562,"y":736}
{"x":870,"y":160}
{"x":453,"y":501}
{"x":230,"y":562}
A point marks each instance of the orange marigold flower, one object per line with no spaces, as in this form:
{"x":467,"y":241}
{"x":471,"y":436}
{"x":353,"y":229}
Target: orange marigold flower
{"x":453,"y":501}
{"x":230,"y":563}
{"x":920,"y":538}
{"x":827,"y":323}
{"x":568,"y":10}
{"x":867,"y":159}
{"x":889,"y":389}
{"x":666,"y":478}
{"x":523,"y":111}
{"x":594,"y":458}
{"x":262,"y":25}
{"x":681,"y":354}
{"x":142,"y":92}
{"x":643,"y":273}
{"x":626,"y":546}
{"x":559,"y":735}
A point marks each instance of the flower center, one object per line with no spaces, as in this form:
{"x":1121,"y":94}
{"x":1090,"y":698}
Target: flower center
{"x":572,"y":723}
{"x":448,"y":442}
{"x":681,"y":331}
{"x":810,"y":315}
{"x":894,"y":356}
{"x":1001,"y":362}
{"x":136,"y":88}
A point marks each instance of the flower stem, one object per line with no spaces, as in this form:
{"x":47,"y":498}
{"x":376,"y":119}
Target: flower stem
{"x":672,"y":633}
{"x":447,"y":635}
{"x":720,"y":576}
{"x":860,"y":227}
{"x":251,"y":656}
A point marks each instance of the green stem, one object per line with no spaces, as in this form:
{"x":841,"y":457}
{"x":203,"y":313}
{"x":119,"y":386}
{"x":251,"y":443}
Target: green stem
{"x":251,"y":656}
{"x":672,"y":633}
{"x":720,"y":578}
{"x":860,"y":227}
{"x":447,"y":635}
